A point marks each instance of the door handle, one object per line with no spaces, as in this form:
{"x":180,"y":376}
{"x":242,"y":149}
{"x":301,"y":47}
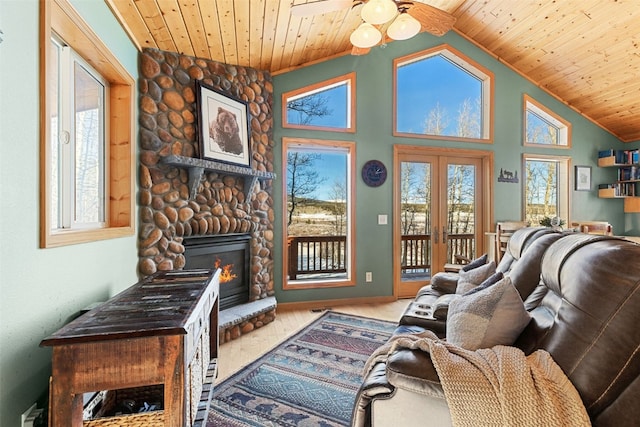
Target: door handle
{"x":444,"y":234}
{"x":435,"y":235}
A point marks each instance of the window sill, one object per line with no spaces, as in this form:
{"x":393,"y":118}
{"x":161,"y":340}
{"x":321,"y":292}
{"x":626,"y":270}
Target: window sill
{"x":73,"y":237}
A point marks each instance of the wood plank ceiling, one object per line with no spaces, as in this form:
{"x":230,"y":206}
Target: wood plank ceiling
{"x":584,"y":52}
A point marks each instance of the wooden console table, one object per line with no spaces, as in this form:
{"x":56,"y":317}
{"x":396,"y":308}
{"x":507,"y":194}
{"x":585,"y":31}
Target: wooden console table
{"x":162,"y":330}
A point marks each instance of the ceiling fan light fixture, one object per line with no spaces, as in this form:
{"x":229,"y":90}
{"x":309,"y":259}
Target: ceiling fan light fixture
{"x":366,"y":35}
{"x":404,"y":27}
{"x":378,"y":11}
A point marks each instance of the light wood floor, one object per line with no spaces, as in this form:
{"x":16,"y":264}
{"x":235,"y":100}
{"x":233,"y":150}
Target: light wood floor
{"x":235,"y":354}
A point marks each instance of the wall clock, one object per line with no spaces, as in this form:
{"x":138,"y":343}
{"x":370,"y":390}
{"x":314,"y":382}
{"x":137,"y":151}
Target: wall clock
{"x":374,"y":173}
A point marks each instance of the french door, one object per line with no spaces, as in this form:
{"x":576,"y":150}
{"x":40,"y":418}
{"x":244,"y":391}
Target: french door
{"x":440,"y":203}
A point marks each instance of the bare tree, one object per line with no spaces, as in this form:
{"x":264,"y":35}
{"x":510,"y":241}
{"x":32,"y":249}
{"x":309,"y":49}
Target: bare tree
{"x":338,"y":206}
{"x":460,"y":198}
{"x":407,"y":186}
{"x":540,"y":132}
{"x":302,"y":179}
{"x":550,"y":189}
{"x":309,"y":107}
{"x":468,"y":119}
{"x":415,"y":204}
{"x":541,"y":189}
{"x":436,"y":121}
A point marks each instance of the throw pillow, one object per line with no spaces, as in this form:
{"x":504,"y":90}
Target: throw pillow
{"x":445,"y":282}
{"x":491,"y":280}
{"x":487,"y":317}
{"x":481,"y":260}
{"x":468,"y":280}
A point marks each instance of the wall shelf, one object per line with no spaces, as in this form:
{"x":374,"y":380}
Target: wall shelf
{"x":197,"y":167}
{"x":625,"y":187}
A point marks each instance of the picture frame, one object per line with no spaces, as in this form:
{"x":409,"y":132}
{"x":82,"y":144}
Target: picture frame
{"x":582,"y":178}
{"x":223,"y":126}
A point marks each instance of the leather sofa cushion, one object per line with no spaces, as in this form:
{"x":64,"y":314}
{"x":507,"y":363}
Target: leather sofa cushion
{"x":587,"y":320}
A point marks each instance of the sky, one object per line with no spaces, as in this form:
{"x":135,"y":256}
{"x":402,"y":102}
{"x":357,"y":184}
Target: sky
{"x":330,"y":167}
{"x":421,"y":85}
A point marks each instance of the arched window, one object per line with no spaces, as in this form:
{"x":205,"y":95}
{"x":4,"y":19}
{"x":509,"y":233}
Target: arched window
{"x":439,"y":93}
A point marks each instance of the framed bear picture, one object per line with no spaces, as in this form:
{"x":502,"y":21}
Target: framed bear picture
{"x":223,"y":124}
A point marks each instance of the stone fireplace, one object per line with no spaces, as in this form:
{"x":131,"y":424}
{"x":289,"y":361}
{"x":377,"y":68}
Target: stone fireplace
{"x":184,"y":199}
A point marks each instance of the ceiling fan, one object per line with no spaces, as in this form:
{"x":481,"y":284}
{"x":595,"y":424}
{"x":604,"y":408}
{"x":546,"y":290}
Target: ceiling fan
{"x":421,"y":17}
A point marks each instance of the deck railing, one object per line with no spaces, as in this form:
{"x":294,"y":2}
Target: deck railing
{"x":317,"y":255}
{"x":328,"y":254}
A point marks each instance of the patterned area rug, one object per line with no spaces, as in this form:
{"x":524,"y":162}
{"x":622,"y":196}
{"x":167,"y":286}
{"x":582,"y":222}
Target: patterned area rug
{"x":309,"y":380}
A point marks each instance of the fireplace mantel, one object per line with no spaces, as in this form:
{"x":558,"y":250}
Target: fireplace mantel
{"x":197,"y":167}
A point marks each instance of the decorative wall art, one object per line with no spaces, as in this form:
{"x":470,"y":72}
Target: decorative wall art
{"x":583,"y":178}
{"x":508,"y":176}
{"x":223,"y":124}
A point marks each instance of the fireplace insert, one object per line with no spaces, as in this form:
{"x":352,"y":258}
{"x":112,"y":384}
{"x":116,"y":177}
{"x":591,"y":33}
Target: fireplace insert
{"x":230,"y":253}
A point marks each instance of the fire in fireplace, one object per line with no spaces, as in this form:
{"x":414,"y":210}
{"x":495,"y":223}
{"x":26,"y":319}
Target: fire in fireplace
{"x":230,"y":253}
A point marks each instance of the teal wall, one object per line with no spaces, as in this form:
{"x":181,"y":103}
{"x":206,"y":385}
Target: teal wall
{"x":41,"y":288}
{"x":374,"y":140}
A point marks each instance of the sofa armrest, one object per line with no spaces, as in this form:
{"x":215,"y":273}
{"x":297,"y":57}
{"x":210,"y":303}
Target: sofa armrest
{"x":413,"y":370}
{"x":375,"y":386}
{"x":444,"y":282}
{"x":404,"y":390}
{"x":376,"y":383}
{"x":417,"y":399}
{"x":441,"y":306}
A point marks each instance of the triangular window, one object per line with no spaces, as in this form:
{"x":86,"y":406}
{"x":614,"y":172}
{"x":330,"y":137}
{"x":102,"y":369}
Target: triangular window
{"x":544,"y":127}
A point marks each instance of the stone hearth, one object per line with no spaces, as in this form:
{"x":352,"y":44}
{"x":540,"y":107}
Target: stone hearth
{"x":172,"y":208}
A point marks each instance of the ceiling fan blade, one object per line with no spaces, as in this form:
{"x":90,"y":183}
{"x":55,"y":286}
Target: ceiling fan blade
{"x":436,"y":21}
{"x":319,"y":6}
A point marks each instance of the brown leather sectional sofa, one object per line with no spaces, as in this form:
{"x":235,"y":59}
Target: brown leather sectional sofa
{"x":430,"y":306}
{"x":584,"y":306}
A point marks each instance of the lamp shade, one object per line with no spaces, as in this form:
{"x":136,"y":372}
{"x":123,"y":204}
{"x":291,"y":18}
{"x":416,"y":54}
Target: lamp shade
{"x":378,"y":11}
{"x":366,"y":35}
{"x":404,"y":27}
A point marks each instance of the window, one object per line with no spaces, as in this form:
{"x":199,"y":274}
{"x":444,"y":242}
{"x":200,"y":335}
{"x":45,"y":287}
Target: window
{"x":439,"y":93}
{"x":328,"y":105}
{"x":87,"y":134}
{"x":318,"y":213}
{"x":77,"y":143}
{"x":546,"y":187}
{"x":543,"y":127}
